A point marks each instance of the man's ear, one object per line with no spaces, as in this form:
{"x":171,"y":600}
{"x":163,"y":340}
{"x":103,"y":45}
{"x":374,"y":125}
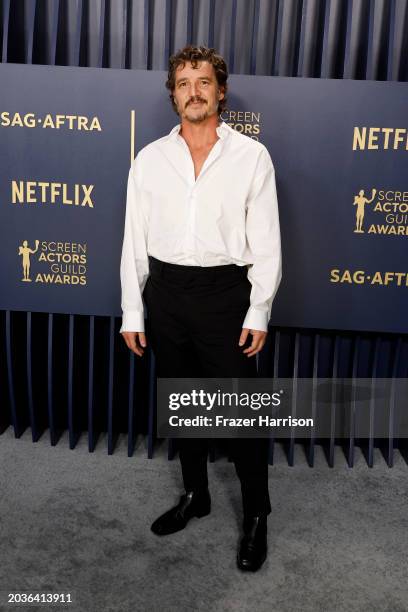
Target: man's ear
{"x":221,"y":93}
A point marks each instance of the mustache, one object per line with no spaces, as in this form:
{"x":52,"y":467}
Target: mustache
{"x":196,"y":99}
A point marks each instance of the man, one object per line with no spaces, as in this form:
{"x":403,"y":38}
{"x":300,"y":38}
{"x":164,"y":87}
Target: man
{"x":202,"y":249}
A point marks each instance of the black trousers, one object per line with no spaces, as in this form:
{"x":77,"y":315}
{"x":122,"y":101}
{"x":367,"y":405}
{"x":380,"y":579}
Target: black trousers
{"x":194,"y":321}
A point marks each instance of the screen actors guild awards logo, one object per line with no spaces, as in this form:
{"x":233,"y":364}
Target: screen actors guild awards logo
{"x":388,"y":216}
{"x":244,"y":122}
{"x":25,"y":251}
{"x":57,"y":263}
{"x":360,"y":201}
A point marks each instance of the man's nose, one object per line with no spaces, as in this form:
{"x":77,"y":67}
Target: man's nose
{"x":194,"y":90}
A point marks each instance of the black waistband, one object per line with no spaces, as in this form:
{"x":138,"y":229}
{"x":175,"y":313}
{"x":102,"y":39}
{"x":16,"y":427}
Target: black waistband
{"x":158,"y":266}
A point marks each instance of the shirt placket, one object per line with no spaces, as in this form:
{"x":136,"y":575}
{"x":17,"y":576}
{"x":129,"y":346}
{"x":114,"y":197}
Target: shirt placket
{"x":190,"y":244}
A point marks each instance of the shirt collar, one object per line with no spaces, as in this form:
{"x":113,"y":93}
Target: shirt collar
{"x":222,"y":130}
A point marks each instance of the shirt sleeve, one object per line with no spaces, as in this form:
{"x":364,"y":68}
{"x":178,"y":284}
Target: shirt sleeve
{"x":134,"y":265}
{"x":264,"y":242}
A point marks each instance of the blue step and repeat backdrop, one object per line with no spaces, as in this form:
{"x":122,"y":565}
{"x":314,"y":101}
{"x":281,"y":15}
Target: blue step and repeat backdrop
{"x":339,"y":147}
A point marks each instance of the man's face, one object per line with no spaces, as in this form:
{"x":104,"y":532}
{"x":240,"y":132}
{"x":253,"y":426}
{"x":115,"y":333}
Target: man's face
{"x":196,"y":92}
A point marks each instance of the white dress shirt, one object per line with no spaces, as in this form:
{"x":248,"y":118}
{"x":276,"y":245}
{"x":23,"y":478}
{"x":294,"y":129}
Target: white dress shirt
{"x":228,"y":215}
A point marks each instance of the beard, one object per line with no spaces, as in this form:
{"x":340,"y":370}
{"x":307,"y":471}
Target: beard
{"x":197,"y":118}
{"x":198,"y":114}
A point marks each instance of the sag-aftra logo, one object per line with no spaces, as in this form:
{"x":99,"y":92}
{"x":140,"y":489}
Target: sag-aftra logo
{"x":55,"y":122}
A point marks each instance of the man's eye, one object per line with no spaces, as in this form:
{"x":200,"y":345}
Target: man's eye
{"x":182,"y":84}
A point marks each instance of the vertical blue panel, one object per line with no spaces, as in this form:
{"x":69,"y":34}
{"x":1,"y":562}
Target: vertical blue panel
{"x":54,"y":32}
{"x":275,"y":376}
{"x":301,"y":52}
{"x":125,"y":31}
{"x":131,"y":410}
{"x":347,"y":65}
{"x":73,"y":437}
{"x":146,"y":33}
{"x":291,"y":450}
{"x":232,"y":35}
{"x":70,"y":377}
{"x":296,"y":38}
{"x":33,"y":424}
{"x":152,"y":404}
{"x":91,"y":430}
{"x":18,"y":430}
{"x":277,"y":39}
{"x":50,"y":399}
{"x":390,"y":41}
{"x":110,"y":385}
{"x":370,"y":455}
{"x":168,"y":45}
{"x":102,"y":34}
{"x":314,"y":397}
{"x":31,"y":8}
{"x":190,"y":21}
{"x":254,"y":38}
{"x":211,"y":24}
{"x":335,"y":374}
{"x":393,"y":395}
{"x":77,"y":47}
{"x":325,"y":61}
{"x":370,"y":43}
{"x":6,"y":19}
{"x":350,"y":457}
{"x":264,"y":358}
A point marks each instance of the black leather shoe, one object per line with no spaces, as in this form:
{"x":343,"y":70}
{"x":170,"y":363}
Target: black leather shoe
{"x":192,"y":503}
{"x":253,"y":548}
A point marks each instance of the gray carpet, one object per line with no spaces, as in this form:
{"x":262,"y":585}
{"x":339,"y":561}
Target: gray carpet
{"x":73,"y":521}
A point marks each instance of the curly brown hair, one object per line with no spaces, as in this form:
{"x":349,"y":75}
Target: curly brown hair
{"x":198,"y":54}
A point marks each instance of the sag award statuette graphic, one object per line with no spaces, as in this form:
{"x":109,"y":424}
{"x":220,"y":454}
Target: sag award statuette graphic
{"x":25,"y":251}
{"x":360,"y":201}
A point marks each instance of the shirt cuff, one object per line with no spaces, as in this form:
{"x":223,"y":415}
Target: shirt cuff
{"x":133,"y":321}
{"x":256,"y":319}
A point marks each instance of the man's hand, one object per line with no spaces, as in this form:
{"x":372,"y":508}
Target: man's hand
{"x":258,"y":340}
{"x":135,"y":341}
